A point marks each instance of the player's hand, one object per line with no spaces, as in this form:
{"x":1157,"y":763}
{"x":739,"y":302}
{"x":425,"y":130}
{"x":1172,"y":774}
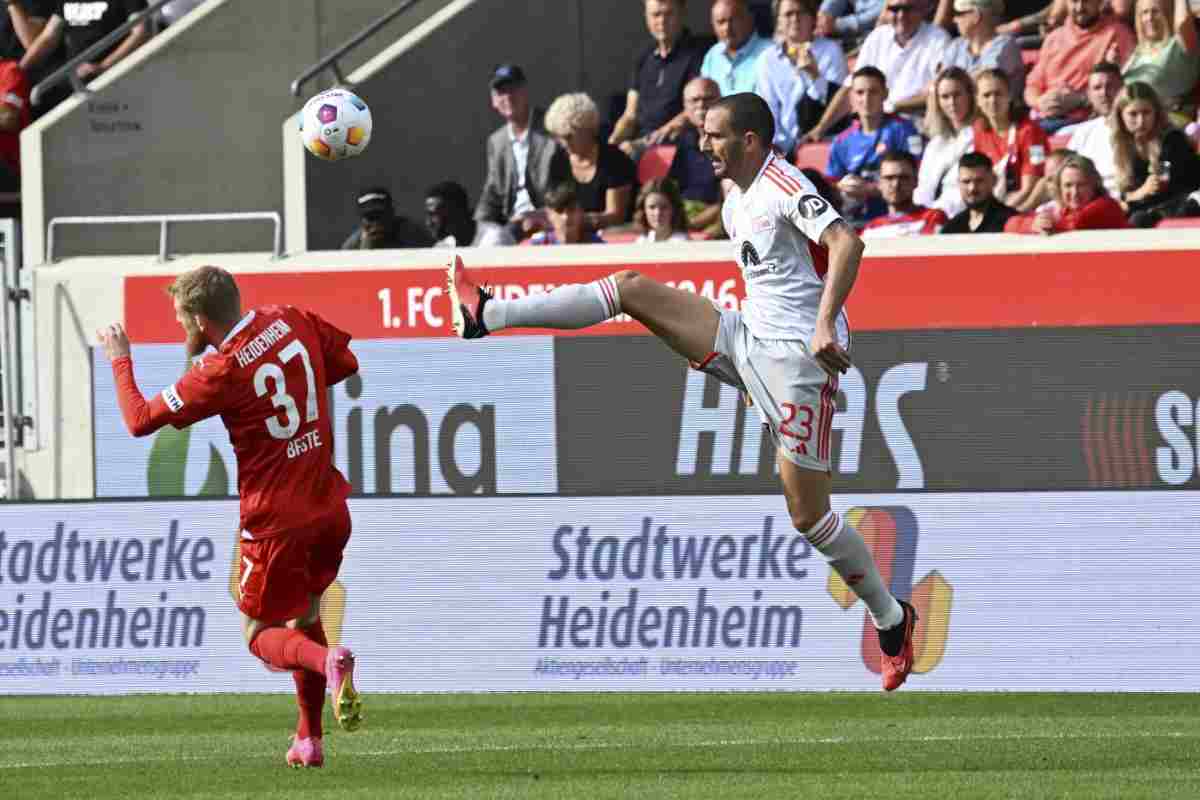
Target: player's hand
{"x":826,"y":350}
{"x":115,"y":341}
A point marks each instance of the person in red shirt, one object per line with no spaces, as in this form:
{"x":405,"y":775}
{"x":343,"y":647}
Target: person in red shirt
{"x":14,"y":118}
{"x":1017,"y":147}
{"x":897,"y":182}
{"x":1083,"y":203}
{"x":267,"y":379}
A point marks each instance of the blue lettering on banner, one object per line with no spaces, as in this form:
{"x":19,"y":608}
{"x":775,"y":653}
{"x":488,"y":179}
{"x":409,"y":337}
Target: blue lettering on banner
{"x":623,"y":620}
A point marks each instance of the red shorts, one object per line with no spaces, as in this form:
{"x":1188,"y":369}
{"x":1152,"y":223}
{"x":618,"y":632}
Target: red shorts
{"x":277,"y":575}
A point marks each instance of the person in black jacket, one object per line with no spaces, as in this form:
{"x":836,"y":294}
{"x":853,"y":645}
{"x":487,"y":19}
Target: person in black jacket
{"x":977,"y":185}
{"x":1157,"y":167}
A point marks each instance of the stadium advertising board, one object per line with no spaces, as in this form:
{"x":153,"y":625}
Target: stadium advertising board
{"x":1047,"y":591}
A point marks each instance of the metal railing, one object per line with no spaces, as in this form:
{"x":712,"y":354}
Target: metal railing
{"x":165,"y":220}
{"x":330,"y":61}
{"x":67,"y":70}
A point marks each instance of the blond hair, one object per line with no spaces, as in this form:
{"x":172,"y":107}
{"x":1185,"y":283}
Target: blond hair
{"x":1123,"y":146}
{"x":210,"y":291}
{"x":1084,"y":165}
{"x":936,"y":122}
{"x":570,"y":113}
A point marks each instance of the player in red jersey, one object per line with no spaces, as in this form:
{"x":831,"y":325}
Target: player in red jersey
{"x":267,"y":380}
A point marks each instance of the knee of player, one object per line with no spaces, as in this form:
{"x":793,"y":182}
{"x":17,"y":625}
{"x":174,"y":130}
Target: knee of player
{"x":627,"y":281}
{"x":804,"y":520}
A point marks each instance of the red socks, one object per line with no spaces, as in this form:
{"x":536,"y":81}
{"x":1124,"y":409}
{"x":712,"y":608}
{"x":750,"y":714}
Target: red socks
{"x":289,"y":649}
{"x":310,"y":690}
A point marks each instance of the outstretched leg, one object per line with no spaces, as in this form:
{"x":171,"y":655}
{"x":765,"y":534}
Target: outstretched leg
{"x":807,"y":493}
{"x":686,"y":322}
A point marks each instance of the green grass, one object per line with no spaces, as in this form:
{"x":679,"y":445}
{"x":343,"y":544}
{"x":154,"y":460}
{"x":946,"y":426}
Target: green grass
{"x":591,"y":746}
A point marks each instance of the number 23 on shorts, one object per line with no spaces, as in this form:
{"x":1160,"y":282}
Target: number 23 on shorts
{"x":802,"y":436}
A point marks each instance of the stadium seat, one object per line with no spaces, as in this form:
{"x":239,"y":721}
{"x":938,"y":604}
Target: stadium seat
{"x":1179,"y":222}
{"x":622,"y":235}
{"x":814,"y":155}
{"x":655,"y":163}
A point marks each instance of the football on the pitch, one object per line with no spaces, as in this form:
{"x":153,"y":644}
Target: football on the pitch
{"x":335,"y":124}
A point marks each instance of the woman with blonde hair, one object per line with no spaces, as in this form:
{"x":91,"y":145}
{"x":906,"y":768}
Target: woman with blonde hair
{"x":1167,"y":55}
{"x":1082,"y":203}
{"x":1016,"y":144}
{"x":604,"y":176}
{"x":1156,"y":166}
{"x":658,"y":214}
{"x":949,"y":117}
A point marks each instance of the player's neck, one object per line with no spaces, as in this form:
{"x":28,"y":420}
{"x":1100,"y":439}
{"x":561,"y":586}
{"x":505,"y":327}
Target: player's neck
{"x":754,"y":165}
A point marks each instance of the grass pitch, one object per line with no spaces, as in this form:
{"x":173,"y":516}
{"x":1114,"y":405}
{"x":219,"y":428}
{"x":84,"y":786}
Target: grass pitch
{"x":594,"y":746}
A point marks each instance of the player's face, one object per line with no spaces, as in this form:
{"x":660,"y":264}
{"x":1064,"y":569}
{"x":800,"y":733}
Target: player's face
{"x":976,"y":184}
{"x":1102,"y":89}
{"x":953,"y":101}
{"x":795,"y":23}
{"x":663,"y":20}
{"x":1139,"y":119}
{"x":437,"y":217}
{"x":896,"y":183}
{"x":866,"y":97}
{"x":1076,"y":188}
{"x":724,"y":148}
{"x":658,"y":212}
{"x":993,"y":98}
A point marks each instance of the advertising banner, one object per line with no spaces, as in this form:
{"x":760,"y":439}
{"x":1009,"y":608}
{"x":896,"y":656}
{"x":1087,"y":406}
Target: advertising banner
{"x":1039,"y":592}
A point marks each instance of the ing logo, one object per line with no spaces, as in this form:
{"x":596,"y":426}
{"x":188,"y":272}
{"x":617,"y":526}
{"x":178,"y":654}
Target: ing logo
{"x":333,"y":602}
{"x":891,"y":533}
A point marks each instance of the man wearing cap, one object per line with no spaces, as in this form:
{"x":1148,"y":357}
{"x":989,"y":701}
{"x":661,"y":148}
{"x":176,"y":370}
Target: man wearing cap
{"x":523,"y":161}
{"x":654,"y":105}
{"x":380,"y":228}
{"x":978,"y":46}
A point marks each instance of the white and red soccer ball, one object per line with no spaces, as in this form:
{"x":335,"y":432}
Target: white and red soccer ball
{"x":335,"y":124}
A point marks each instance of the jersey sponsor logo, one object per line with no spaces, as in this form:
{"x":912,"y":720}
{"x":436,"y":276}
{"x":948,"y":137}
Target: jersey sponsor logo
{"x":749,"y":255}
{"x":262,"y":343}
{"x":811,"y":206}
{"x":81,"y":14}
{"x":171,"y":397}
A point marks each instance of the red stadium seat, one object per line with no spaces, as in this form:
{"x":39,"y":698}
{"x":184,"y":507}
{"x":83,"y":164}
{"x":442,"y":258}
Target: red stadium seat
{"x":655,"y":163}
{"x":1179,"y":222}
{"x":619,"y":236}
{"x":813,"y":154}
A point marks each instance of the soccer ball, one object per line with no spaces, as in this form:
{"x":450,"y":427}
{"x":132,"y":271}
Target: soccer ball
{"x":335,"y":124}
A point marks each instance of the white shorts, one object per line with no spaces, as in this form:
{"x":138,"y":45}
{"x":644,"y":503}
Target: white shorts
{"x":794,"y":396}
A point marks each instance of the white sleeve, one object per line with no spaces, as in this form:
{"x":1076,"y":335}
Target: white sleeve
{"x":808,"y":211}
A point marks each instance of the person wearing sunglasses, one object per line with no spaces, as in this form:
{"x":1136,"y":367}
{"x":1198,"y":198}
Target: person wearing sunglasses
{"x":907,"y":51}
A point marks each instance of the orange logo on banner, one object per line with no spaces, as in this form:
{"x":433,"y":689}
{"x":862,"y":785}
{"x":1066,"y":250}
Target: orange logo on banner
{"x":891,"y":533}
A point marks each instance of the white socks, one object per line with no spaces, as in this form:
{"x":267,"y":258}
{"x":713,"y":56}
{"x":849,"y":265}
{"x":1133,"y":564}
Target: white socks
{"x":575,"y":305}
{"x":847,"y":553}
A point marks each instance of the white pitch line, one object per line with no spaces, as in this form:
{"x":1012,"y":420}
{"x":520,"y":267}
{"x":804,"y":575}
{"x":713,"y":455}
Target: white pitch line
{"x":598,"y":746}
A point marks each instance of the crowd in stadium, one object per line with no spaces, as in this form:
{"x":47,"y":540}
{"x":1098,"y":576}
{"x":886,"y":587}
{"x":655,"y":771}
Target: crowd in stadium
{"x":968,"y":117}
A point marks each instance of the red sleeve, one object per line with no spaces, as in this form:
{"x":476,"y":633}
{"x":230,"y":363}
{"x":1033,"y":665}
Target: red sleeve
{"x":1020,"y":223}
{"x":14,"y":91}
{"x":1101,"y":213}
{"x":340,"y":362}
{"x":194,"y":397}
{"x":935,"y":219}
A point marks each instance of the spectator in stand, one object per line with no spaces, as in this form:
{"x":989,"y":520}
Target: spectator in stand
{"x":523,"y":161}
{"x":381,"y":228}
{"x":1042,"y":196}
{"x":19,"y":28}
{"x":604,"y":176}
{"x":1166,"y":55}
{"x":1093,"y":138}
{"x":691,"y":170}
{"x":854,"y":159}
{"x":1157,"y":168}
{"x":897,"y":180}
{"x":733,"y":61}
{"x":1055,"y":87}
{"x":949,"y":121}
{"x":1016,"y":144}
{"x":653,"y":112}
{"x":14,"y":118}
{"x":908,"y":52}
{"x":977,"y":185}
{"x":979,"y":46}
{"x":660,"y":216}
{"x":848,"y":20}
{"x":568,"y":222}
{"x":798,"y":75}
{"x":448,"y":218}
{"x":79,"y":26}
{"x":1082,"y":203}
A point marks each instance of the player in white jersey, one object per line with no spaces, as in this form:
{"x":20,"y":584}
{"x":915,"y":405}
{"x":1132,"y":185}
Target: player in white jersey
{"x":785,"y":350}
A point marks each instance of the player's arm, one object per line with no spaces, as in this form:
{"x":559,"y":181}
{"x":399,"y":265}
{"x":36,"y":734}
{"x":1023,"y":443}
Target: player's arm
{"x":845,"y":254}
{"x":340,"y":361}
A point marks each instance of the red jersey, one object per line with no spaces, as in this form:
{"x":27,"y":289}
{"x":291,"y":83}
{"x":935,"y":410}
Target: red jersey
{"x":1022,"y":151}
{"x":14,"y":92}
{"x":921,"y":221}
{"x":268,"y":382}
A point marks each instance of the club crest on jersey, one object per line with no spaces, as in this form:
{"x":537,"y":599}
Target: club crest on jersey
{"x":811,"y":206}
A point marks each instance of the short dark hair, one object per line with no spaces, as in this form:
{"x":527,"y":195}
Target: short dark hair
{"x":562,"y":196}
{"x":749,"y":112}
{"x":807,"y":6}
{"x":870,"y":72}
{"x":975,"y":161}
{"x":450,"y":193}
{"x":900,"y":157}
{"x":1106,"y":68}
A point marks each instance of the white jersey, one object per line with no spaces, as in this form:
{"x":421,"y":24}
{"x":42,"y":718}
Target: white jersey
{"x":776,"y":225}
